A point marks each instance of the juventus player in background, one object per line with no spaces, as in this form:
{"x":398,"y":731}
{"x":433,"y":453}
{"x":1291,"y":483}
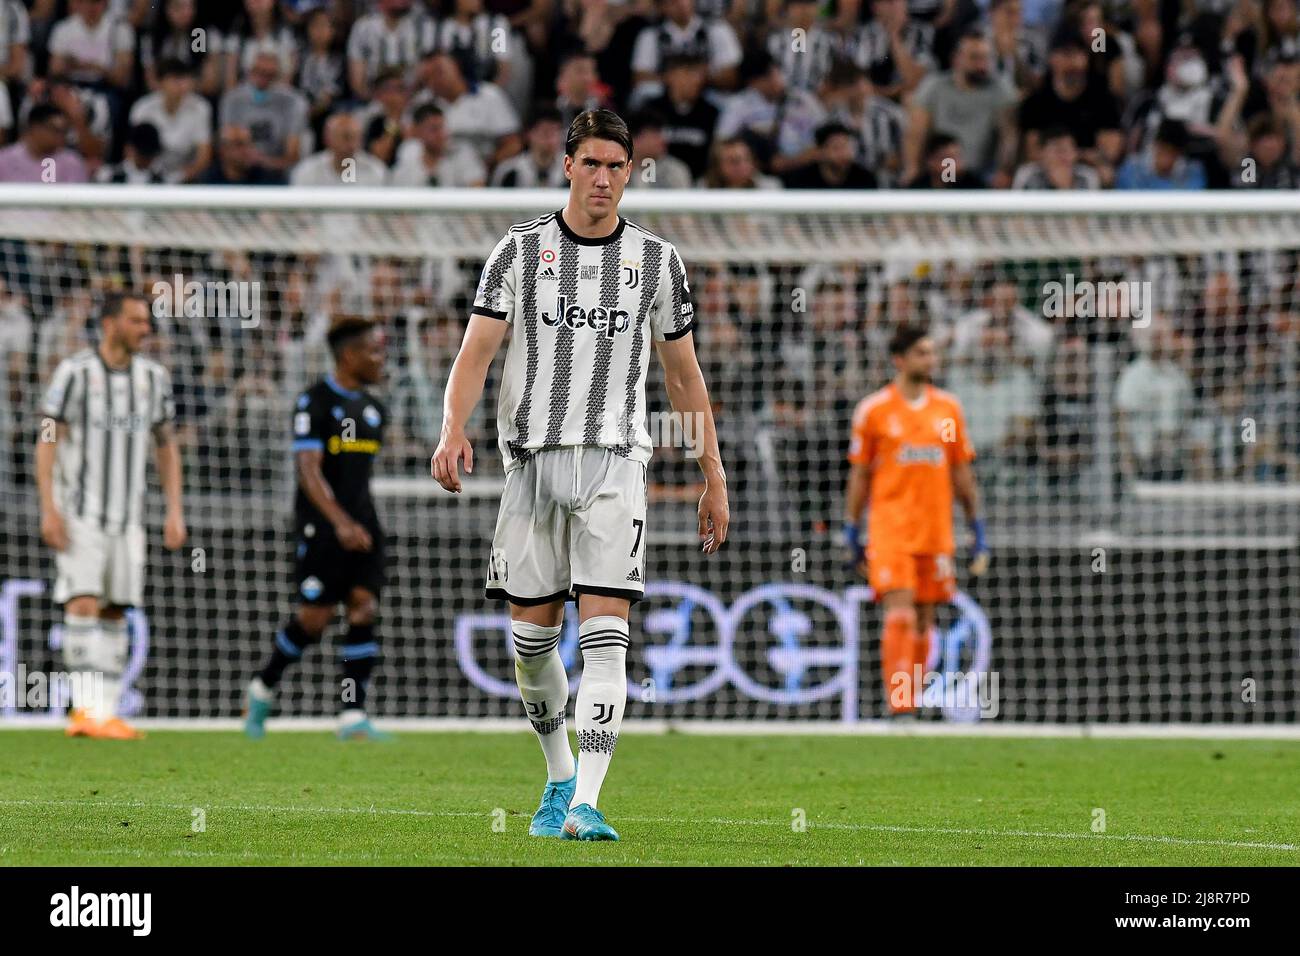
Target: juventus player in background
{"x":338,"y":428}
{"x":581,"y":293}
{"x":100,"y":408}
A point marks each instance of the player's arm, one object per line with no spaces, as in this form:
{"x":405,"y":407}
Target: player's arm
{"x":967,"y":495}
{"x":857,"y":492}
{"x":352,"y":534}
{"x":689,"y":395}
{"x":53,"y":532}
{"x":167,"y":454}
{"x":483,"y":337}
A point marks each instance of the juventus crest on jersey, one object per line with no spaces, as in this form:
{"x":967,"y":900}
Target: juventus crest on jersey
{"x":582,"y":314}
{"x":100,"y":467}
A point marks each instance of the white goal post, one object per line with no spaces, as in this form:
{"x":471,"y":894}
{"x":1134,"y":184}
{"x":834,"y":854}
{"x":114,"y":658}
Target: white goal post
{"x":1129,"y":365}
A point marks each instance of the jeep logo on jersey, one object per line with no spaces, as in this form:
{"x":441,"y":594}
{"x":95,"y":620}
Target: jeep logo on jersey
{"x":600,"y":319}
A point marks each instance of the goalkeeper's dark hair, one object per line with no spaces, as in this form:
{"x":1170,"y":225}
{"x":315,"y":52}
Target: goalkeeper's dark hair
{"x":110,"y":306}
{"x":598,"y":124}
{"x":345,"y":331}
{"x":905,"y":336}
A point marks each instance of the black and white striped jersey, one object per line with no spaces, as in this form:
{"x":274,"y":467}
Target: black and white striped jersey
{"x":583,"y":313}
{"x":99,"y":471}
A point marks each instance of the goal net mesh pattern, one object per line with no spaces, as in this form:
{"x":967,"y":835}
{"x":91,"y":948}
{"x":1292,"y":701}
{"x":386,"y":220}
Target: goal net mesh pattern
{"x":1131,"y":380}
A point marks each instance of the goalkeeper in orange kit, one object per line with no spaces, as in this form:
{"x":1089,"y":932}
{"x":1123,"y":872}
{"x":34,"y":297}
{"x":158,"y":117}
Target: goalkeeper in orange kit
{"x":910,"y":455}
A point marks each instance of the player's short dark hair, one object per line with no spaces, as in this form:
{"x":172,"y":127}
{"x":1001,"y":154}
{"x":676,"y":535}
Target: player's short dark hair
{"x":905,"y":336}
{"x":345,"y":330}
{"x":111,"y":305}
{"x":145,"y":140}
{"x":424,"y":111}
{"x":597,"y":124}
{"x":174,"y":67}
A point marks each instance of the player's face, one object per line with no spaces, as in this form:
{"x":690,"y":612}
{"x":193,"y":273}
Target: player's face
{"x":918,"y":363}
{"x":597,"y":173}
{"x":368,"y":357}
{"x":131,"y":326}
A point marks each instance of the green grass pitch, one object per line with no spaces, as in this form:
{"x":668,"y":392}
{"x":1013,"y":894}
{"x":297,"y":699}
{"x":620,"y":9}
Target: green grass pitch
{"x":465,"y":798}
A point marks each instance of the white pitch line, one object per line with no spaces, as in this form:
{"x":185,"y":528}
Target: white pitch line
{"x":719,"y":821}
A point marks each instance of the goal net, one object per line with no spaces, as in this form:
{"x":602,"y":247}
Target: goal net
{"x":1130,"y":369}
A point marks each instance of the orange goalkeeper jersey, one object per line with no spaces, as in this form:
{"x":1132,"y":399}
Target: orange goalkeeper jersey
{"x":911,"y":450}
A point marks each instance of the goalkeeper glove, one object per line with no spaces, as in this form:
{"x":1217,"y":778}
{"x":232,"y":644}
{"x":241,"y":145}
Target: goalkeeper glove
{"x":979,"y":558}
{"x":852,"y":545}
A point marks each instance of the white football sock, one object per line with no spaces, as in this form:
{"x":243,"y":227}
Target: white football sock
{"x":115,"y":649}
{"x":602,"y":695}
{"x":80,"y":635}
{"x":544,"y":687}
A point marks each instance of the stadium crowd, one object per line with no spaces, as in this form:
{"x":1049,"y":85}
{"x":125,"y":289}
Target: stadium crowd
{"x":1026,"y":94}
{"x":924,"y":94}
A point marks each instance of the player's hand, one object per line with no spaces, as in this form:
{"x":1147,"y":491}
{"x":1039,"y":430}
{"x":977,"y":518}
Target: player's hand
{"x":854,"y":553}
{"x":980,"y":554}
{"x":53,"y":531}
{"x":352,"y":536}
{"x":453,"y":447}
{"x":174,"y":532}
{"x":715,"y":516}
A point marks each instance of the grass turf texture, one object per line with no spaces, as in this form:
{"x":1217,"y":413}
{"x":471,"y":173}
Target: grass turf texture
{"x":306,"y":799}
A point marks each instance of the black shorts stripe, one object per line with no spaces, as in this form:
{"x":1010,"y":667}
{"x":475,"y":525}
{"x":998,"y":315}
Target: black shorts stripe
{"x":596,"y":589}
{"x":500,"y":594}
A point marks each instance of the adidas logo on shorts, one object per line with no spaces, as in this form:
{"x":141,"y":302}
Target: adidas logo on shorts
{"x":634,"y":575}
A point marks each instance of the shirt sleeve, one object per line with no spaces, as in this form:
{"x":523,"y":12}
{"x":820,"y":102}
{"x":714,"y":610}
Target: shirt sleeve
{"x":495,"y":297}
{"x":57,"y":403}
{"x":862,"y":444}
{"x":308,"y":425}
{"x":673,"y":313}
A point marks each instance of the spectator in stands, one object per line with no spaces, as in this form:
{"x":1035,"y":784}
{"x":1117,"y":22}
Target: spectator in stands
{"x":893,"y":49}
{"x":877,"y":122}
{"x":432,"y":158}
{"x":481,"y":118}
{"x":342,"y":162}
{"x":391,"y":36}
{"x":90,"y":121}
{"x":15,"y":38}
{"x":1066,"y":98}
{"x":945,"y":166}
{"x":183,"y":120}
{"x":41,"y":155}
{"x":541,"y":164}
{"x":802,"y":47}
{"x":275,"y":114}
{"x":1004,"y":395}
{"x":92,"y":47}
{"x":1019,"y":51}
{"x":780,"y":124}
{"x":1154,"y":405}
{"x":974,"y":105}
{"x":1280,"y":30}
{"x":178,"y":35}
{"x":1028,"y":336}
{"x":479,"y":39}
{"x":1069,"y":420}
{"x":259,"y":30}
{"x":16,"y":348}
{"x":731,"y":166}
{"x":383,"y":120}
{"x":1058,"y":165}
{"x":835,"y":167}
{"x":578,"y":87}
{"x":1164,"y":165}
{"x":681,"y":30}
{"x":689,"y":117}
{"x":139,"y":164}
{"x":322,"y":78}
{"x":237,"y":163}
{"x":652,"y":165}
